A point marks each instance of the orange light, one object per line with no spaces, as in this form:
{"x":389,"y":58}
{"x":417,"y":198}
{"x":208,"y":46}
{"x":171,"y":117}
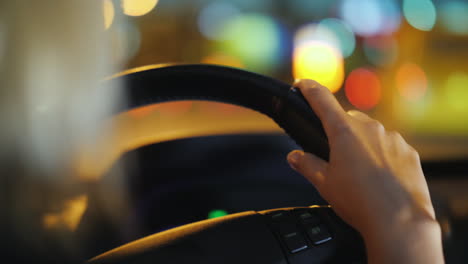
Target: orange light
{"x":142,"y":111}
{"x":411,"y":81}
{"x":363,"y":89}
{"x":138,"y":7}
{"x":169,"y":108}
{"x":175,"y":108}
{"x":223,"y":59}
{"x":109,"y":13}
{"x":319,"y":61}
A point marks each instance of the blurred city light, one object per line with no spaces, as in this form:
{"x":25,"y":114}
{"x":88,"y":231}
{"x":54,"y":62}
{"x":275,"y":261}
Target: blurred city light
{"x":456,"y":91}
{"x":381,"y":50}
{"x":343,"y":34}
{"x":371,"y":17}
{"x":420,"y":14}
{"x":254,"y":39}
{"x":213,"y":17}
{"x":109,"y":13}
{"x":216,"y":213}
{"x":219,"y":58}
{"x":138,"y":7}
{"x":319,"y":61}
{"x":454,"y":16}
{"x":363,"y":88}
{"x":411,"y":81}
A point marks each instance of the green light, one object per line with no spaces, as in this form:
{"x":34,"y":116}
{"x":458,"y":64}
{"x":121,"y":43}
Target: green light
{"x":216,"y":213}
{"x":255,"y":39}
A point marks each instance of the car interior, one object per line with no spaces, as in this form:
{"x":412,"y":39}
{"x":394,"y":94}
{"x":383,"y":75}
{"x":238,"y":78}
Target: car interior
{"x":189,"y":164}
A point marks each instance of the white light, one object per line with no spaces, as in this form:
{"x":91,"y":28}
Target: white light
{"x":371,"y":17}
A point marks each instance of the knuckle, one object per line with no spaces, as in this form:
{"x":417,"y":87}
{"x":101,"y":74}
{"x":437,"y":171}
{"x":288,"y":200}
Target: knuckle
{"x":395,"y":135}
{"x":413,"y":154}
{"x":314,"y":91}
{"x":375,"y":125}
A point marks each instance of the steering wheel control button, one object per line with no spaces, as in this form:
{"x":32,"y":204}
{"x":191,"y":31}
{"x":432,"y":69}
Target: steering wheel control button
{"x":295,"y":242}
{"x":309,"y":218}
{"x":318,"y":234}
{"x":278,"y":216}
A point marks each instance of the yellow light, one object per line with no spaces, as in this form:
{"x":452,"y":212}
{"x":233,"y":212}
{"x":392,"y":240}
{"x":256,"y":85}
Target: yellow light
{"x":456,"y":91}
{"x":321,"y":62}
{"x":109,"y":13}
{"x":138,"y":7}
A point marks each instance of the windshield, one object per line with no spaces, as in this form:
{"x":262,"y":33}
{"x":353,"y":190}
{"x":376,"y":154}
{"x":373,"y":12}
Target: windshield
{"x":403,"y":62}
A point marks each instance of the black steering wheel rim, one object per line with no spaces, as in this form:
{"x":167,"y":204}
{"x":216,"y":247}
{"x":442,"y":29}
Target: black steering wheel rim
{"x":277,"y":100}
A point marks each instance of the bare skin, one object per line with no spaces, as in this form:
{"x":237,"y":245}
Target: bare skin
{"x":373,"y":181}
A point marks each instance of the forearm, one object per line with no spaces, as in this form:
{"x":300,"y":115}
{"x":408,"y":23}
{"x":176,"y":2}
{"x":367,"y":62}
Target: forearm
{"x":405,"y":243}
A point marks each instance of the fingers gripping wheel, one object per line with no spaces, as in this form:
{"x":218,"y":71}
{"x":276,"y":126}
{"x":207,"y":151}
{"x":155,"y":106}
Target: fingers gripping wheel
{"x":289,"y":236}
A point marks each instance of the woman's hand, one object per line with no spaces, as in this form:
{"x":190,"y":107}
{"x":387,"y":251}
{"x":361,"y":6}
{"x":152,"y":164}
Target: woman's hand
{"x":373,"y":181}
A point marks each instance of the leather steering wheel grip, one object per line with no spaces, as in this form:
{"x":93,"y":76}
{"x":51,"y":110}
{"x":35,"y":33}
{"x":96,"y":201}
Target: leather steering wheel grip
{"x":278,"y":100}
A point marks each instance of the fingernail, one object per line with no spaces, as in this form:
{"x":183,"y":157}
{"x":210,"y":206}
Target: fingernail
{"x":294,"y":157}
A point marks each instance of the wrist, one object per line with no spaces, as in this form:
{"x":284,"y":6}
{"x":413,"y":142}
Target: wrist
{"x":413,"y":241}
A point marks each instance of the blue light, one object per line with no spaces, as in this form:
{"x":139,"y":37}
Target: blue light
{"x":344,"y":35}
{"x":454,"y":17}
{"x":371,"y":17}
{"x":213,"y":18}
{"x":420,"y":14}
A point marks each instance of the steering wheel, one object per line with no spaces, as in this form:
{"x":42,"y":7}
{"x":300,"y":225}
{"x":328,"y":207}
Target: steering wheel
{"x":287,"y":235}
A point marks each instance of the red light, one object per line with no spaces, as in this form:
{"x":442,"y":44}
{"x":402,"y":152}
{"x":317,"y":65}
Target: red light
{"x":363,"y":89}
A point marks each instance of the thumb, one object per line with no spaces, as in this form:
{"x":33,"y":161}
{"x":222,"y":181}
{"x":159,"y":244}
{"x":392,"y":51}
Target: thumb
{"x":310,"y":166}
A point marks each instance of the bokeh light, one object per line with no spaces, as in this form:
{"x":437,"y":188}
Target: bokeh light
{"x":420,"y":14}
{"x":313,"y":32}
{"x":363,"y":88}
{"x":319,"y":61}
{"x":219,"y":58}
{"x":456,"y":91}
{"x":454,"y":16}
{"x":255,"y":39}
{"x":213,"y":17}
{"x":216,"y":213}
{"x":371,"y":17}
{"x":331,"y":31}
{"x":381,"y":50}
{"x":411,"y":81}
{"x":343,"y":32}
{"x":138,"y":7}
{"x":109,"y":13}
